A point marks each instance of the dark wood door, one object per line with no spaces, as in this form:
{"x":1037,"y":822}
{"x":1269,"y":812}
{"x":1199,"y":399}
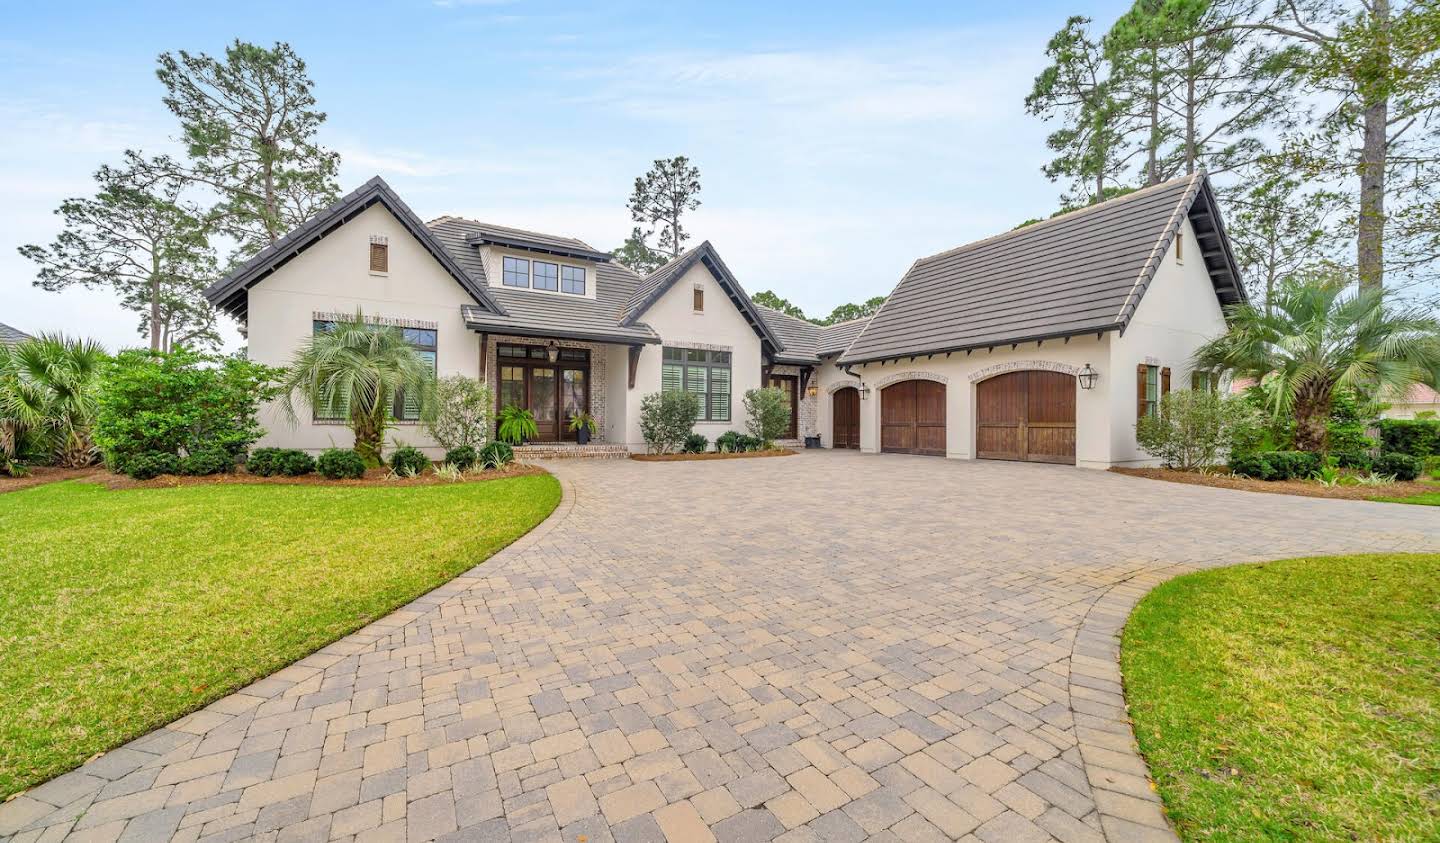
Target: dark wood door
{"x":1027,"y":416}
{"x":845,"y":416}
{"x":912,"y":418}
{"x":790,"y":385}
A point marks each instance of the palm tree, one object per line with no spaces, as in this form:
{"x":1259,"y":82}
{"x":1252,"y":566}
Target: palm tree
{"x":48,"y":388}
{"x":1319,"y":335}
{"x":354,"y":371}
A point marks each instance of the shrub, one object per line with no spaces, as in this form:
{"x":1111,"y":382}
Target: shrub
{"x":497,"y":455}
{"x":1432,"y":466}
{"x":409,"y":462}
{"x":48,"y":390}
{"x":1194,"y":426}
{"x":462,"y":457}
{"x":295,"y":463}
{"x":767,"y":413}
{"x":517,"y":424}
{"x":180,"y":402}
{"x":341,"y":464}
{"x":1360,"y":460}
{"x":1401,"y":466}
{"x":696,"y":444}
{"x":734,"y":442}
{"x":1416,"y":437}
{"x":666,"y":418}
{"x":206,"y":462}
{"x":462,"y":413}
{"x":1277,"y":465}
{"x":146,"y":466}
{"x":263,"y":462}
{"x":291,"y":462}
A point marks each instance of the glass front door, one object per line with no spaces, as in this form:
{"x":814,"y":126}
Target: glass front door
{"x":552,"y":392}
{"x":543,"y":403}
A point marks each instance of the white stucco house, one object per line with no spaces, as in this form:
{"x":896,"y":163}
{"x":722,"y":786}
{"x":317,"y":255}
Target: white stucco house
{"x":978,"y":352}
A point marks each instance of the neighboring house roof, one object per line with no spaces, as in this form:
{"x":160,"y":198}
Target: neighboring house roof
{"x":661,"y":280}
{"x":484,"y":233}
{"x":229,"y":293}
{"x":1079,"y":273}
{"x":10,"y":336}
{"x":528,"y":313}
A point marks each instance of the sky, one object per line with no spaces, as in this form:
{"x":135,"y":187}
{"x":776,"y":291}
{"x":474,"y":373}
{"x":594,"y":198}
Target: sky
{"x":837,"y":142}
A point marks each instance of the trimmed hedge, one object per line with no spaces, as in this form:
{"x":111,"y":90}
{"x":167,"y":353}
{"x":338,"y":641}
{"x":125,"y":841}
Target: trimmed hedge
{"x":462,"y":457}
{"x":1277,"y":465}
{"x":148,"y":466}
{"x":1415,"y":437}
{"x":207,"y":462}
{"x":409,"y":461}
{"x":290,"y":462}
{"x":1402,"y":466}
{"x":341,"y":464}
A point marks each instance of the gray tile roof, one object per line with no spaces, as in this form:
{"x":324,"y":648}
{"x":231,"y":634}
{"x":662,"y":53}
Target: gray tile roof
{"x":656,"y":283}
{"x":10,"y":336}
{"x":1083,"y":272}
{"x":807,"y":342}
{"x":481,"y":233}
{"x":834,"y":339}
{"x":228,"y":293}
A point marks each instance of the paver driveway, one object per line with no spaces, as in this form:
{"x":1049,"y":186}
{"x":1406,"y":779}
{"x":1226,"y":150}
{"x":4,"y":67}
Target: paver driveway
{"x":822,"y":647}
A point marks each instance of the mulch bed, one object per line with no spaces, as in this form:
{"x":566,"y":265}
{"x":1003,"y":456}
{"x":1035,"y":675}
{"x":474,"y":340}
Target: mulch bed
{"x":1305,"y":488}
{"x":713,"y":455}
{"x":40,"y":475}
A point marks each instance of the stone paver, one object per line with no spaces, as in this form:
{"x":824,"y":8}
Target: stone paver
{"x":823,"y":647}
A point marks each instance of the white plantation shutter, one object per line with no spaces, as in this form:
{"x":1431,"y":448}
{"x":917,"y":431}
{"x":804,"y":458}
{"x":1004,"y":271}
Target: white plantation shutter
{"x":719,"y":395}
{"x":670,"y":378}
{"x":411,"y":409}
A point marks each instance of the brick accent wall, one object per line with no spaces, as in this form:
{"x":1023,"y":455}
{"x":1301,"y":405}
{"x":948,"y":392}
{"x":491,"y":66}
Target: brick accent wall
{"x":598,"y":375}
{"x":808,"y":406}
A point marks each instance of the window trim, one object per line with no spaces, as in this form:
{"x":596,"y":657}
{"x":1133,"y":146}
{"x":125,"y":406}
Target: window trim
{"x":506,"y":272}
{"x":584,"y":280}
{"x":711,"y":362}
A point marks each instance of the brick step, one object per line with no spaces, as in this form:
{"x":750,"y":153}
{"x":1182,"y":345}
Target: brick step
{"x":570,"y":451}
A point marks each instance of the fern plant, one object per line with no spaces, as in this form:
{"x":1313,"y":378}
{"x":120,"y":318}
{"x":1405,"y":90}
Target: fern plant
{"x":517,"y":424}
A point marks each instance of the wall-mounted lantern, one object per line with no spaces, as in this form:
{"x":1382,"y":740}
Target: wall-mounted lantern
{"x":812,"y":390}
{"x":552,"y":350}
{"x":1087,"y":377}
{"x":864,"y":391}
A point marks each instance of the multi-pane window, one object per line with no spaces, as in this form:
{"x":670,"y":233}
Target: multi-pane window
{"x":405,"y":408}
{"x":702,"y":372}
{"x":547,"y":276}
{"x":572,"y":280}
{"x":1202,"y":381}
{"x":1152,"y":391}
{"x":517,"y":272}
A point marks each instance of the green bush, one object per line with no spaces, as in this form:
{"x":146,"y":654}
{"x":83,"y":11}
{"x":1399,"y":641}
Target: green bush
{"x":462,"y":457}
{"x":696,"y":444}
{"x":205,"y":462}
{"x":735,"y":442}
{"x":1432,"y":466}
{"x":1416,"y":437}
{"x":1194,"y":426}
{"x":666,"y":418}
{"x":462,"y":413}
{"x":291,"y":462}
{"x":1352,"y":459}
{"x":147,"y":466}
{"x":1277,"y":465}
{"x":341,"y":464}
{"x":179,"y":401}
{"x":767,"y":413}
{"x":497,"y":455}
{"x":409,"y":461}
{"x":1401,"y":466}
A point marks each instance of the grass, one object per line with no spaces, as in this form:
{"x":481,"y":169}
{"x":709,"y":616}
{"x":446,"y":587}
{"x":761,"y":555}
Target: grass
{"x":1423,"y":499}
{"x":1293,"y":700}
{"x":122,"y":610}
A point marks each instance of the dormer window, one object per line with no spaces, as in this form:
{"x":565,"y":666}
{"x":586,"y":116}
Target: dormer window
{"x":379,"y":254}
{"x":547,"y":276}
{"x":517,"y":272}
{"x":572,"y":280}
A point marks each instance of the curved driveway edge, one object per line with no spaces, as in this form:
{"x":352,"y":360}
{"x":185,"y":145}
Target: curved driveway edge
{"x":831,"y":647}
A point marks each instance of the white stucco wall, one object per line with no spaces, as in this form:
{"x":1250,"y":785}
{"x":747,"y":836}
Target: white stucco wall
{"x":333,"y":275}
{"x":828,"y":378}
{"x":1178,"y":313}
{"x":720,"y":327}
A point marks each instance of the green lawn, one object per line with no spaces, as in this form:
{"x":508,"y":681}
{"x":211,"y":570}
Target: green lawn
{"x":122,"y":610}
{"x":1424,"y":499}
{"x":1293,"y":700}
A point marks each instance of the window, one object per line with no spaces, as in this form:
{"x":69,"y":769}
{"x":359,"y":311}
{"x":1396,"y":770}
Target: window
{"x":379,"y":255}
{"x":1202,"y":381}
{"x":517,"y":272}
{"x":1149,"y":391}
{"x":405,"y":409}
{"x":699,"y":299}
{"x":572,"y":280}
{"x":704,"y":373}
{"x":547,"y":276}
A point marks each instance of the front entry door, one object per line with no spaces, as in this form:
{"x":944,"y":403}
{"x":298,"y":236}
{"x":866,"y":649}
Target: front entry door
{"x":544,"y":395}
{"x":552,"y":392}
{"x":790,"y":385}
{"x":845,"y":413}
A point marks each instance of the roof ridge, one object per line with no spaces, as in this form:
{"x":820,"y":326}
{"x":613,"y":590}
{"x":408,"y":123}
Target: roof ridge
{"x":458,"y":218}
{"x":845,"y":321}
{"x":1065,"y":217}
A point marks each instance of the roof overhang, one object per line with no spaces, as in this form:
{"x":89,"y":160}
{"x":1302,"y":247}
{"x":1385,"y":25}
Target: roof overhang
{"x":495,"y":239}
{"x":476,"y":321}
{"x":984,"y":345}
{"x":230,"y":293}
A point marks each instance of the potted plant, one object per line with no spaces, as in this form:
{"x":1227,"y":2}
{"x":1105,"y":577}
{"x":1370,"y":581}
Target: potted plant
{"x":582,"y":424}
{"x":517,"y":424}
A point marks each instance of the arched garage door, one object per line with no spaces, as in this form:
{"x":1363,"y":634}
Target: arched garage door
{"x":912,"y":418}
{"x":1027,"y":415}
{"x":845,"y":417}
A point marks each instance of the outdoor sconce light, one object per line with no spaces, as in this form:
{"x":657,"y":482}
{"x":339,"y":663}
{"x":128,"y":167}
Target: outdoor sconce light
{"x":864,"y":392}
{"x":1087,"y":377}
{"x":812,"y":390}
{"x":552,"y":350}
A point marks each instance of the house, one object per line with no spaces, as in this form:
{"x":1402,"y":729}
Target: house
{"x":11,"y":336}
{"x":556,"y":326}
{"x":1419,"y":401}
{"x":1048,"y":342}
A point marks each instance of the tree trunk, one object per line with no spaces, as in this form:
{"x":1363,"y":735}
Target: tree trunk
{"x":155,"y":344}
{"x":1189,"y":107}
{"x":1370,"y":239}
{"x":1152,"y":165}
{"x":1312,"y":413}
{"x":369,"y":437}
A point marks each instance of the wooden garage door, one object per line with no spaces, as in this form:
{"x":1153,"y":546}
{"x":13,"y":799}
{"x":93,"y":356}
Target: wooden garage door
{"x":912,"y":418}
{"x":845,"y":413}
{"x":1026,"y":416}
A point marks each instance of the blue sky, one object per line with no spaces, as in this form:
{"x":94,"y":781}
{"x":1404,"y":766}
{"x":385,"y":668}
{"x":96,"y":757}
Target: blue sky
{"x":837,"y":142}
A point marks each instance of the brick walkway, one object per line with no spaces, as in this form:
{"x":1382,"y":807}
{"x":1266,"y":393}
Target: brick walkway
{"x":826,"y":647}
